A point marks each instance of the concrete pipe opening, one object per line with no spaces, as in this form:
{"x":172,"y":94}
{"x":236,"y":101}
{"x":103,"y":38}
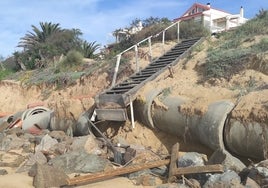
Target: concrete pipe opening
{"x":247,"y":139}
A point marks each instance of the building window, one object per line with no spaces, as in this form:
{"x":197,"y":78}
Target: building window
{"x":200,"y":9}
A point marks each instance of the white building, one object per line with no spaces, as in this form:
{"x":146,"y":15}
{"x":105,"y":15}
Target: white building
{"x":122,"y":34}
{"x":214,"y":19}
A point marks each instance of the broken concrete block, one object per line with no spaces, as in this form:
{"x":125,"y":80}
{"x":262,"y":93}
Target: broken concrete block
{"x":191,"y":159}
{"x":79,"y":162}
{"x":87,"y":143}
{"x":37,"y":157}
{"x":46,"y":143}
{"x":48,"y":176}
{"x":230,"y":162}
{"x":227,"y":179}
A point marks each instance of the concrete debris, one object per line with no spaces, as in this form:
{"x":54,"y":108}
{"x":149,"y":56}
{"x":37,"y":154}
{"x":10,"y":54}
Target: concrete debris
{"x":48,"y":176}
{"x":79,"y":162}
{"x":257,"y":173}
{"x":37,"y":157}
{"x":32,"y":142}
{"x":46,"y":143}
{"x":227,"y":179}
{"x":230,"y":162}
{"x":87,"y":143}
{"x":192,"y":159}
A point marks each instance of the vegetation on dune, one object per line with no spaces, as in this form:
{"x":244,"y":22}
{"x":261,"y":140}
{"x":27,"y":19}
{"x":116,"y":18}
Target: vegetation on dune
{"x":154,"y":27}
{"x":229,"y":56}
{"x":42,"y":46}
{"x":54,"y":55}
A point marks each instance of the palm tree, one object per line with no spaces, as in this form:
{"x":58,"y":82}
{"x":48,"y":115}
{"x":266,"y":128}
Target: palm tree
{"x":31,"y":39}
{"x":88,"y":49}
{"x":262,"y":13}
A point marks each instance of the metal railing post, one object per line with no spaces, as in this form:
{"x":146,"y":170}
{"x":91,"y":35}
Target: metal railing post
{"x":150,"y":50}
{"x":116,"y":69}
{"x":178,"y":32}
{"x":137,"y":57}
{"x":163,"y":40}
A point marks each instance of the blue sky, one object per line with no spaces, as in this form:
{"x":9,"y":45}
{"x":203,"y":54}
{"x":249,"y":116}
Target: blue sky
{"x":97,"y":19}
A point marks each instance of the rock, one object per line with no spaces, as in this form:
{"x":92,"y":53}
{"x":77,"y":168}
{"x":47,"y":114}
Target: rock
{"x":48,"y":176}
{"x":12,"y":142}
{"x":46,"y":143}
{"x":37,"y":157}
{"x":191,"y":159}
{"x":60,"y":136}
{"x":227,"y":179}
{"x":160,"y":171}
{"x":230,"y":162}
{"x":60,"y":148}
{"x":259,"y":175}
{"x":79,"y":162}
{"x":3,"y":172}
{"x":194,"y":159}
{"x":87,"y":143}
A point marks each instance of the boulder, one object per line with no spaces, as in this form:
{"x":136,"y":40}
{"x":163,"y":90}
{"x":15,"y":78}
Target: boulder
{"x":191,"y":159}
{"x":12,"y":142}
{"x":37,"y":157}
{"x":79,"y":162}
{"x":87,"y":143}
{"x":230,"y":162}
{"x":227,"y":179}
{"x":48,"y":176}
{"x":46,"y":143}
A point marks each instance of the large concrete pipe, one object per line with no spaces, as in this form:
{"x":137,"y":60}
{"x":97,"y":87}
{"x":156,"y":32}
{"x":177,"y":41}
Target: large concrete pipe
{"x":248,"y":139}
{"x":208,"y":128}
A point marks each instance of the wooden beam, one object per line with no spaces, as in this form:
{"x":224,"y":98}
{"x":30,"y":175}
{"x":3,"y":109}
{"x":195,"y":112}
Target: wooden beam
{"x":173,"y":161}
{"x":116,"y":172}
{"x":217,"y":168}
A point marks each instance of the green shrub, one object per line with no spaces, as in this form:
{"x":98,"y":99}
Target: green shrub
{"x":73,"y":58}
{"x":225,"y":64}
{"x":255,"y":26}
{"x":5,"y":73}
{"x":262,"y":46}
{"x":191,"y":29}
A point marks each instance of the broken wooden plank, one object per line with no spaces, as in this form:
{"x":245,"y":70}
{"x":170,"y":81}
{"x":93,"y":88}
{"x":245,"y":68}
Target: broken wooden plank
{"x":173,"y":161}
{"x":217,"y":168}
{"x":115,"y":172}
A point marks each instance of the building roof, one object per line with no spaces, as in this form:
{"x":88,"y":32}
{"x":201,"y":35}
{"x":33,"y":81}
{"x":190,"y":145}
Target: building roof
{"x":197,"y":6}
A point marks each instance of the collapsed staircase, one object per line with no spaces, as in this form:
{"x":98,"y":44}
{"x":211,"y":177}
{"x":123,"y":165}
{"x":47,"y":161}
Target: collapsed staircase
{"x":112,"y":104}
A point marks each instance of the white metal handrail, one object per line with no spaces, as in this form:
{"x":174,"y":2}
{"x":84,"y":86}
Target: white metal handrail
{"x":118,"y":56}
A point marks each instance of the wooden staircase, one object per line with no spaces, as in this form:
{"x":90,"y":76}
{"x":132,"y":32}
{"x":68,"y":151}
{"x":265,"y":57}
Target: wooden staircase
{"x":112,"y":104}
